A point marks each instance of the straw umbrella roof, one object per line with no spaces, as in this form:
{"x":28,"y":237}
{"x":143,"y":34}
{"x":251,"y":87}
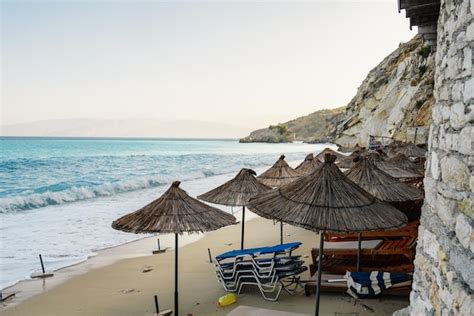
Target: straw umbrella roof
{"x":391,"y":168}
{"x":327,"y":200}
{"x":382,"y":153}
{"x":408,"y":149}
{"x":308,"y":165}
{"x":403,"y":162}
{"x":174,"y":212}
{"x":279,"y":174}
{"x":238,"y":191}
{"x":380,"y":184}
{"x":328,"y":150}
{"x":342,"y":161}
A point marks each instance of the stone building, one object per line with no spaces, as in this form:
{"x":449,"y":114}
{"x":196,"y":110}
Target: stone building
{"x":444,"y":266}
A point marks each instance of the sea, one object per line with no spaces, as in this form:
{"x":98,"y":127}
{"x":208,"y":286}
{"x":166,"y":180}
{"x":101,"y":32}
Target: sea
{"x":59,"y":196}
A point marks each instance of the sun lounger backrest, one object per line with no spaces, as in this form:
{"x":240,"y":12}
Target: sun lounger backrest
{"x":259,"y":251}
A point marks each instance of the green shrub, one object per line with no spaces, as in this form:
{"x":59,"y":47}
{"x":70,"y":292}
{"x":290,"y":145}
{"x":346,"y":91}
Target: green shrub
{"x":425,"y":51}
{"x":281,"y":129}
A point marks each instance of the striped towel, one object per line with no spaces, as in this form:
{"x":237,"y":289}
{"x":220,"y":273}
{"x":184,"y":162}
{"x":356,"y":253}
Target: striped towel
{"x":370,"y":284}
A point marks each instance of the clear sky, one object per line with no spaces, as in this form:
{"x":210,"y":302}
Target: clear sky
{"x":247,"y":63}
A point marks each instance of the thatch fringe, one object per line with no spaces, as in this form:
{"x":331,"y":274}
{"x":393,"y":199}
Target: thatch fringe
{"x":279,"y":174}
{"x":407,"y":149}
{"x":403,"y":162}
{"x":236,"y":192}
{"x":326,"y":200}
{"x":174,"y":212}
{"x":392,"y":169}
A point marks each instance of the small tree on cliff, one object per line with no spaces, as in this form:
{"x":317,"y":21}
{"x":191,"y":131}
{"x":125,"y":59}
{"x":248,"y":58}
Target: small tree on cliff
{"x":281,"y":129}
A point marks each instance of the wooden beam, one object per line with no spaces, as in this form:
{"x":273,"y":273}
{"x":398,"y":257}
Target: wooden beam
{"x":424,"y":20}
{"x":411,"y":3}
{"x":426,"y":9}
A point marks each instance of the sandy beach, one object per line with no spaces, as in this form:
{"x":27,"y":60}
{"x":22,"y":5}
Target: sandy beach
{"x":122,"y":288}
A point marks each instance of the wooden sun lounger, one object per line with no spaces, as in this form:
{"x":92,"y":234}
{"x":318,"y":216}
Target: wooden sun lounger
{"x":339,"y":265}
{"x":389,"y":256}
{"x":402,"y":246}
{"x":400,"y":289}
{"x":410,"y":230}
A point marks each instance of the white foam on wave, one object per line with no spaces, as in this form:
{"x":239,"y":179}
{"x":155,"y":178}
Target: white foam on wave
{"x":37,"y":200}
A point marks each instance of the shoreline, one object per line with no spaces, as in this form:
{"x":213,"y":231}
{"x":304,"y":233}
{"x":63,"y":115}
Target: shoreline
{"x":94,"y":252}
{"x":140,"y":247}
{"x":124,"y":288}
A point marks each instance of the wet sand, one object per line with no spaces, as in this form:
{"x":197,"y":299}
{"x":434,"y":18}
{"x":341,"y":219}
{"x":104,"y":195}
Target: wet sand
{"x":105,"y":286}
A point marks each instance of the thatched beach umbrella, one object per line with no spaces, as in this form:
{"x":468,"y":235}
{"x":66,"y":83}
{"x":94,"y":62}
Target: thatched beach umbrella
{"x":277,"y":175}
{"x":308,"y":165}
{"x":321,"y":156}
{"x":342,"y":161}
{"x":392,"y":168}
{"x":326,"y":200}
{"x":407,"y":149}
{"x":237,"y":192}
{"x":174,"y":212}
{"x":403,"y":162}
{"x":381,"y":185}
{"x":386,"y":188}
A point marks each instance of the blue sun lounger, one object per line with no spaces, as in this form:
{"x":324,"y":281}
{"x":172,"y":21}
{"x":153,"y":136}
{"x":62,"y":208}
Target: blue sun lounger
{"x":277,"y":249}
{"x":271,"y":269}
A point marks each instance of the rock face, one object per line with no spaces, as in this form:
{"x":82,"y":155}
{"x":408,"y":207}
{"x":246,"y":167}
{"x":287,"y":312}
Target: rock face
{"x":319,"y":126}
{"x":395,"y":95}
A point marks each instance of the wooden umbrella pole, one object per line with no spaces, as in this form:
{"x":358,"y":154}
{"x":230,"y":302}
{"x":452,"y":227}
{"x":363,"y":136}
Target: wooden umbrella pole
{"x":281,"y":233}
{"x":176,"y":275}
{"x":320,"y":266}
{"x":359,"y":246}
{"x":243,"y":228}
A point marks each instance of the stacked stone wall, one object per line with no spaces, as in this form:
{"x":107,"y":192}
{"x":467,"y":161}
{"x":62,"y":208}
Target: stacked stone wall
{"x":444,"y":265}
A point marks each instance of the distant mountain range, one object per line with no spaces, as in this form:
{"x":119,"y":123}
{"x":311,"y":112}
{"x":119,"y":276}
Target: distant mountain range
{"x":124,"y":128}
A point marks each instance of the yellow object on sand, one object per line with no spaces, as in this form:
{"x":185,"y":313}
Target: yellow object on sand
{"x":227,"y":299}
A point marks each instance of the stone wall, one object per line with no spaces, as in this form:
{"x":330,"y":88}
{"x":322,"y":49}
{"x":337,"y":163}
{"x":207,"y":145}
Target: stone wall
{"x":444,"y":264}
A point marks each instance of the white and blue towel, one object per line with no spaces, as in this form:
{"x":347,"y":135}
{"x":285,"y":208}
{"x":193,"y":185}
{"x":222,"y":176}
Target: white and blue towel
{"x":370,"y":284}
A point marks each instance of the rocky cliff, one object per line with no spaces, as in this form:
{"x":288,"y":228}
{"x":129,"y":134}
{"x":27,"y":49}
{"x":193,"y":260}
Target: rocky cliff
{"x":319,"y":126}
{"x":394,"y":97}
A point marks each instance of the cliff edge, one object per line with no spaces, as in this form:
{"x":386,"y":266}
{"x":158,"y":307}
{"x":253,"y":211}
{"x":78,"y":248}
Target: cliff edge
{"x":394,"y":98}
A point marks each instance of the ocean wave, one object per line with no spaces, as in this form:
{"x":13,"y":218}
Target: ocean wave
{"x":37,"y":200}
{"x":30,"y":201}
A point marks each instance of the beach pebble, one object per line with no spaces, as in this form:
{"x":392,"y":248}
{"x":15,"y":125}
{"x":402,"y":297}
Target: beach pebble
{"x":147,"y":269}
{"x":228,"y":244}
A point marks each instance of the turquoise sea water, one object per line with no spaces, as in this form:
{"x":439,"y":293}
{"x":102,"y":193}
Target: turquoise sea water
{"x":58,"y":196}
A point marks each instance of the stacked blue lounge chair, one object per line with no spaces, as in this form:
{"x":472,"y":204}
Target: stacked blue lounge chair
{"x":271,"y":269}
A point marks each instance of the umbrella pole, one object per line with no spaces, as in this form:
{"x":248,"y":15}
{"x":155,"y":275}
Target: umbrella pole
{"x":320,"y":266}
{"x":359,"y":246}
{"x":243,"y":228}
{"x":176,"y":275}
{"x":281,"y":233}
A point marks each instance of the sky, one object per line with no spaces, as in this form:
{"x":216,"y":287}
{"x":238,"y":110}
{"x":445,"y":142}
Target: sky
{"x":245,"y":63}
